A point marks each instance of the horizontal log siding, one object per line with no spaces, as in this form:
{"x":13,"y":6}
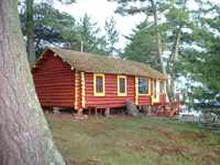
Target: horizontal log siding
{"x":111,"y":98}
{"x":144,"y":100}
{"x":54,"y":82}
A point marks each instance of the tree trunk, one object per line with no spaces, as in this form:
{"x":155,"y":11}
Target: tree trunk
{"x":174,"y":54}
{"x":173,"y":60}
{"x":158,"y":36}
{"x":24,"y":134}
{"x":30,"y":31}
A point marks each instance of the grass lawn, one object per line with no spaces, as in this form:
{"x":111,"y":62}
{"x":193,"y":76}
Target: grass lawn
{"x":133,"y":141}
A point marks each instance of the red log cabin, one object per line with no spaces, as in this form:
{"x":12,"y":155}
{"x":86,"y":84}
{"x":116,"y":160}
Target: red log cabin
{"x":70,"y":79}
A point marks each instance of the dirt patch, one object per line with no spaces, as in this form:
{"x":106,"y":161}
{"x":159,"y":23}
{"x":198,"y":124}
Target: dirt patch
{"x":174,"y":149}
{"x":188,"y":135}
{"x":167,"y":133}
{"x":163,"y":149}
{"x":159,"y":147}
{"x":167,"y":149}
{"x":208,"y":156}
{"x":217,"y":152}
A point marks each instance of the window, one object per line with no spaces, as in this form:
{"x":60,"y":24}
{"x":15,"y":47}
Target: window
{"x":99,"y":85}
{"x":155,"y":89}
{"x":162,"y":86}
{"x":142,"y":85}
{"x":122,"y":85}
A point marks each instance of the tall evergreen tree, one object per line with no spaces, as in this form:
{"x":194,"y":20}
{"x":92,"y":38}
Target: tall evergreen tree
{"x":142,"y":46}
{"x":112,"y":36}
{"x":51,"y":27}
{"x":30,"y":27}
{"x":177,"y":19}
{"x":203,"y":62}
{"x":89,"y":35}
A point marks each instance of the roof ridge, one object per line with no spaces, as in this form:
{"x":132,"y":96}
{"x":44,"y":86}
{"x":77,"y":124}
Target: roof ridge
{"x":100,"y":63}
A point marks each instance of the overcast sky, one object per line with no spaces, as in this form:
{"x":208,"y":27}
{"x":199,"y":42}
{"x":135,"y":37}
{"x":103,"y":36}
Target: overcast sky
{"x":99,"y":10}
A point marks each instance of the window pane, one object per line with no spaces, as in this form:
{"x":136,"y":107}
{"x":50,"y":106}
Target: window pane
{"x":142,"y":85}
{"x":99,"y":84}
{"x":122,"y":85}
{"x":162,"y":87}
{"x":155,"y":89}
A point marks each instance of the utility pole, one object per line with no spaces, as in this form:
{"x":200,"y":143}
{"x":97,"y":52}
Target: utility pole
{"x":81,"y":49}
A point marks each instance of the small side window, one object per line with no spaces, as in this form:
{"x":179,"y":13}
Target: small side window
{"x":99,"y":85}
{"x":162,"y":86}
{"x":122,"y":85}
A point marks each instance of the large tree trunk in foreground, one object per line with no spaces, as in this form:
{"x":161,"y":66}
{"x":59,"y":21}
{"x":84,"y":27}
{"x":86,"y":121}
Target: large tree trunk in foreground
{"x":24,"y":134}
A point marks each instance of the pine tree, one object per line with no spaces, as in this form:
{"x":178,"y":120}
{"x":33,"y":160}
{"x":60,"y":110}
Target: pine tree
{"x":30,"y":27}
{"x":112,"y":36}
{"x":142,"y":46}
{"x":89,"y":35}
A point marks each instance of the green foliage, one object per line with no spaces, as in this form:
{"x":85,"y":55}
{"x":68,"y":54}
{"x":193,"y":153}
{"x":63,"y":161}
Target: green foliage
{"x":130,"y":7}
{"x":203,"y":60}
{"x":89,"y":34}
{"x":149,"y":8}
{"x":28,"y":16}
{"x":50,"y":26}
{"x":111,"y":36}
{"x":142,"y":46}
{"x":56,"y":28}
{"x":177,"y":15}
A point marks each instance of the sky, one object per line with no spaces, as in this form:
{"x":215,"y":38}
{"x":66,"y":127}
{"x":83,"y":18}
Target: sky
{"x":99,"y":10}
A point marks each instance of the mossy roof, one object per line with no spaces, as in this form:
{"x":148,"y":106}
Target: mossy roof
{"x":103,"y":64}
